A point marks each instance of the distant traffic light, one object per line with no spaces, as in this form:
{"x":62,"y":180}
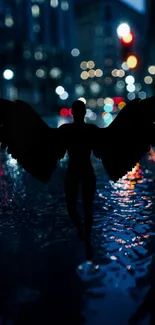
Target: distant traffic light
{"x":126,"y":46}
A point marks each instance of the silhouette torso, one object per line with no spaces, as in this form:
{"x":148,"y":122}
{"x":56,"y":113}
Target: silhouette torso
{"x":78,"y":141}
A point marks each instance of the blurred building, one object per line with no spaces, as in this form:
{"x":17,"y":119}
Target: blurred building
{"x":100,"y":71}
{"x":35,"y":51}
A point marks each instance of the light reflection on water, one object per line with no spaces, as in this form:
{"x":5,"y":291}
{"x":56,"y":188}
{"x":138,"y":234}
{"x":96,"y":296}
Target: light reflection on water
{"x":123,"y":229}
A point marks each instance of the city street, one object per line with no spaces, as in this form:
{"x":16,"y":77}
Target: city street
{"x":44,"y":278}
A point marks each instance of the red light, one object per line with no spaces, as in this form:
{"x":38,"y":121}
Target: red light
{"x":70,"y":112}
{"x":64,"y":112}
{"x":127,"y":39}
{"x":118,"y":100}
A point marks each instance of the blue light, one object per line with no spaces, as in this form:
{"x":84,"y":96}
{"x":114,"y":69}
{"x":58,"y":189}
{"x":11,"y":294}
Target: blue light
{"x":108,"y":108}
{"x":108,"y":118}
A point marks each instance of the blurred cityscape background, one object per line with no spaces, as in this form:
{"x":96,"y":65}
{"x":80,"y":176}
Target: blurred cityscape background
{"x":53,"y":52}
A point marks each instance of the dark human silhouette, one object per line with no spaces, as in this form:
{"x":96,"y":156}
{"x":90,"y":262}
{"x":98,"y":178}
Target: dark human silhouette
{"x":38,"y":147}
{"x":78,"y":140}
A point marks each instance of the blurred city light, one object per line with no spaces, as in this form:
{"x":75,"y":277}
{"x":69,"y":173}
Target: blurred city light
{"x":132,"y":61}
{"x":108,"y":108}
{"x":114,"y":72}
{"x":123,"y":30}
{"x":82,"y":100}
{"x":83,"y":65}
{"x":92,"y":103}
{"x":8,"y":74}
{"x":148,"y":80}
{"x":129,"y":79}
{"x":95,"y":87}
{"x":130,"y":88}
{"x":100,"y":102}
{"x":35,"y":10}
{"x":128,"y":38}
{"x":55,"y":73}
{"x":107,"y":118}
{"x":121,"y":105}
{"x":75,"y":52}
{"x":120,"y":84}
{"x":108,"y":81}
{"x":151,"y":69}
{"x":9,"y":21}
{"x":54,"y":3}
{"x":118,"y":99}
{"x":64,"y":95}
{"x":120,"y":73}
{"x":99,"y":73}
{"x":84,"y":75}
{"x":125,"y":66}
{"x":142,"y":94}
{"x":91,"y":73}
{"x":90,"y":64}
{"x":59,"y":90}
{"x":40,"y":73}
{"x":64,"y":112}
{"x":138,"y":86}
{"x":109,"y":101}
{"x":79,"y":90}
{"x":131,"y":96}
{"x":65,"y":5}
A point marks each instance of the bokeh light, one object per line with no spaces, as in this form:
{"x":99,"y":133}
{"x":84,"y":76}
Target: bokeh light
{"x":8,"y":74}
{"x":123,"y":30}
{"x":64,"y":95}
{"x":75,"y":52}
{"x":108,"y":100}
{"x":151,"y":69}
{"x":83,"y":65}
{"x":59,"y":90}
{"x":125,"y":66}
{"x":54,"y":3}
{"x":99,"y":73}
{"x":90,"y":64}
{"x":130,"y":88}
{"x":142,"y":94}
{"x":131,"y":96}
{"x":91,"y":73}
{"x":84,"y":75}
{"x":79,"y":90}
{"x":132,"y":61}
{"x":108,"y":108}
{"x":148,"y":80}
{"x":128,"y":38}
{"x":82,"y":100}
{"x":129,"y":79}
{"x":121,"y":105}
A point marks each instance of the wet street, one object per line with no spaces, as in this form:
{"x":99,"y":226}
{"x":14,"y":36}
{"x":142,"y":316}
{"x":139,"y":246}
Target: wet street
{"x":43,"y":275}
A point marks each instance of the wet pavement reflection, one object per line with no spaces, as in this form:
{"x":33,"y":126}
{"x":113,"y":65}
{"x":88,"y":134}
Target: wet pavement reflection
{"x":44,"y":278}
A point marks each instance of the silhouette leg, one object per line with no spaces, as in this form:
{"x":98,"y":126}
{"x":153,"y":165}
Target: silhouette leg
{"x":71,"y":194}
{"x":88,"y":193}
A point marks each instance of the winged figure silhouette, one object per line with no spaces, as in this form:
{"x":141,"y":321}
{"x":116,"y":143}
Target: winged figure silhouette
{"x":38,"y":147}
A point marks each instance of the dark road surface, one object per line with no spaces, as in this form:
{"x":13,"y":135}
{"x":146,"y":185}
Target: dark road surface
{"x":43,"y":277}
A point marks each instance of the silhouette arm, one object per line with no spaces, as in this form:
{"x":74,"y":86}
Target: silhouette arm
{"x":29,"y":140}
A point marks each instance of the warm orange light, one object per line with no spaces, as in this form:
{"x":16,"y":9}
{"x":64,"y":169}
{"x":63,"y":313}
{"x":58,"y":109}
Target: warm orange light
{"x":121,"y":105}
{"x":128,"y":38}
{"x":132,"y":61}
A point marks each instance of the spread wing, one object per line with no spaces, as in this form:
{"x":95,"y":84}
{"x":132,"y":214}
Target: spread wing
{"x":24,"y":135}
{"x":128,"y":138}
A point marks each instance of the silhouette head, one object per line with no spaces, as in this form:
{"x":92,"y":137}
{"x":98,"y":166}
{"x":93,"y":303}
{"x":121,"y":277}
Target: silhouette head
{"x":78,"y":111}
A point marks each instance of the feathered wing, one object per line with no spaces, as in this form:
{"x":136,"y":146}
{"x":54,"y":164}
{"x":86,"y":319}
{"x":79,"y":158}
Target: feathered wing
{"x":128,"y":138}
{"x":35,"y":145}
